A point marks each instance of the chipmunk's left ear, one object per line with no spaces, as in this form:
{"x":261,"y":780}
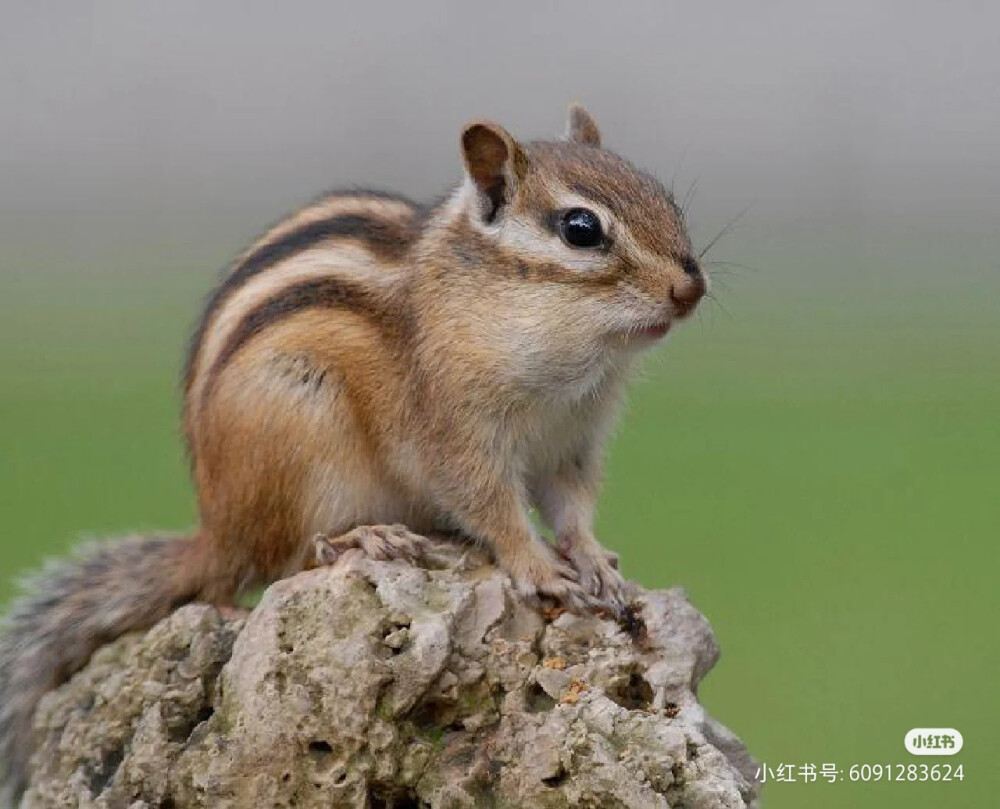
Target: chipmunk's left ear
{"x":581,"y":127}
{"x":494,"y":163}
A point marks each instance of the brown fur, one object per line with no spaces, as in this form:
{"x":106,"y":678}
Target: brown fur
{"x":368,"y":363}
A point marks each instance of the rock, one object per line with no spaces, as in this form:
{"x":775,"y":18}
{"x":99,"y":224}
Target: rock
{"x":378,"y":684}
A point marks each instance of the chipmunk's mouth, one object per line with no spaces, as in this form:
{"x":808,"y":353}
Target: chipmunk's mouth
{"x":647,"y":332}
{"x":655,"y":331}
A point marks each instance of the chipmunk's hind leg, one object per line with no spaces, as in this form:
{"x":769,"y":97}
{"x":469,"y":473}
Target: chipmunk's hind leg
{"x":383,"y":543}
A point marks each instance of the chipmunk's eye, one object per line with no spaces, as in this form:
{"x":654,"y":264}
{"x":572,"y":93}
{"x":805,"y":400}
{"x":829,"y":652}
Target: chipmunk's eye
{"x":581,"y":228}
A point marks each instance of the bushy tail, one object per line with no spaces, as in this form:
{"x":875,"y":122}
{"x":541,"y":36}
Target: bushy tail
{"x":69,"y":609}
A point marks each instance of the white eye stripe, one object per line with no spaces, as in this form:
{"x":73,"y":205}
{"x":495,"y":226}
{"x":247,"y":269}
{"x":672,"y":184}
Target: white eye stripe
{"x":528,"y":238}
{"x":532,"y":242}
{"x":535,"y":241}
{"x":616,"y":230}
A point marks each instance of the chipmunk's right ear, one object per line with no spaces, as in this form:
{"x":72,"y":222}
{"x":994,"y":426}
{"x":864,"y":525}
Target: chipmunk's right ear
{"x":581,"y":126}
{"x":493,"y":163}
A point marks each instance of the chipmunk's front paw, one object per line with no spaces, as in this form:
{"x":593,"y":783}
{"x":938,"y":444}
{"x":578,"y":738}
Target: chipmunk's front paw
{"x":383,"y":543}
{"x":598,"y":573}
{"x":539,"y":574}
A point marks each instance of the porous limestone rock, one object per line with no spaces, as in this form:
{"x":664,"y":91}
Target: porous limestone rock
{"x":380,"y":684}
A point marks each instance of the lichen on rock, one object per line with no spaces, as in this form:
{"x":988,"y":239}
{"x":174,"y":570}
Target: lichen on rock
{"x":379,"y":684}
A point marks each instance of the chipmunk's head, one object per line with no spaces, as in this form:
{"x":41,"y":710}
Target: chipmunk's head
{"x":597,"y":247}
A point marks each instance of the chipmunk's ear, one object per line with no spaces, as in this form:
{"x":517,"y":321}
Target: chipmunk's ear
{"x":494,"y":163}
{"x":581,"y":127}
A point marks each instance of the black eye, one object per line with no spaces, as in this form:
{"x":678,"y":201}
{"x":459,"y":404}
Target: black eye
{"x":581,"y":228}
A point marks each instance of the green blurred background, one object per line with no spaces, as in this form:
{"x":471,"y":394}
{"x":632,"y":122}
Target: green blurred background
{"x":815,"y":458}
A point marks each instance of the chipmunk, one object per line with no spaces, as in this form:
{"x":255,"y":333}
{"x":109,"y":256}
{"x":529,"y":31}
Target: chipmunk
{"x":369,"y":364}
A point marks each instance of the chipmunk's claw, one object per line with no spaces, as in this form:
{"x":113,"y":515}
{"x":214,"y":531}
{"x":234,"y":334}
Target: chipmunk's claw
{"x":543,"y":574}
{"x":598,"y":574}
{"x":382,"y":543}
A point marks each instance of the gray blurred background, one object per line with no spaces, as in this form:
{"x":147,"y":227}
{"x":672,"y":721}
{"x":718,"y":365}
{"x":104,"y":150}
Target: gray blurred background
{"x":201,"y":121}
{"x":814,"y":458}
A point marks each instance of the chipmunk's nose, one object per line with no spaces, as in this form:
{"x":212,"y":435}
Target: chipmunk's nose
{"x":688,"y":289}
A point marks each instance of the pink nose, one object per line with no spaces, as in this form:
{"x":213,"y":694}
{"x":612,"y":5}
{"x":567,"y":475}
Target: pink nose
{"x":686,"y":292}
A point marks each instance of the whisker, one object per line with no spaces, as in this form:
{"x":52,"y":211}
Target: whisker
{"x":689,"y":197}
{"x":721,"y":283}
{"x":677,"y":169}
{"x":707,"y":315}
{"x":719,"y":303}
{"x":725,"y":272}
{"x":734,"y":265}
{"x":725,"y":231}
